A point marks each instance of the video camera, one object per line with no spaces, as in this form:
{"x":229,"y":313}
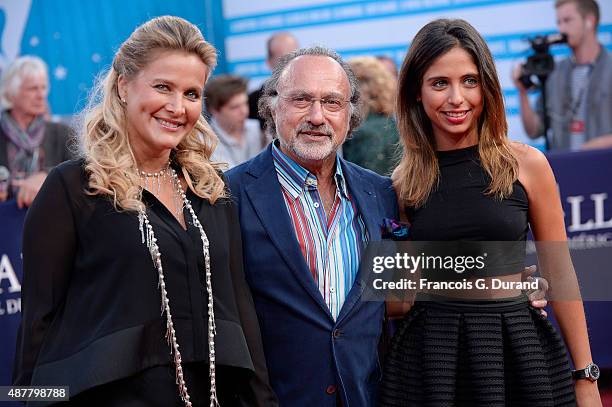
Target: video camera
{"x":541,"y":63}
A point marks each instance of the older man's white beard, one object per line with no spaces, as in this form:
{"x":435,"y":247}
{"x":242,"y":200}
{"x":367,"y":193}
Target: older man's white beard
{"x":312,"y":151}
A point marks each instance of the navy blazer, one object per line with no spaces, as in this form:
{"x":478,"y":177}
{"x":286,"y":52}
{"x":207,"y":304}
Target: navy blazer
{"x":312,"y":359}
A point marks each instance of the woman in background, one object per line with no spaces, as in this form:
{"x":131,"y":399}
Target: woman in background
{"x":142,"y":224}
{"x":374,"y":145}
{"x":461,"y":179}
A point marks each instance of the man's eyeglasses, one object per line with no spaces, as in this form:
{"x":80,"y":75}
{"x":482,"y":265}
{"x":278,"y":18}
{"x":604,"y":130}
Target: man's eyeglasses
{"x":304,"y":102}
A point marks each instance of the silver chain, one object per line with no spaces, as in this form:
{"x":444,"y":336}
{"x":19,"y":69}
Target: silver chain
{"x":148,"y":237}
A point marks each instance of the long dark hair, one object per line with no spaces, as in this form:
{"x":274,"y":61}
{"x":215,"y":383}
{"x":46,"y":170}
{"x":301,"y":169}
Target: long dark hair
{"x":418,"y":171}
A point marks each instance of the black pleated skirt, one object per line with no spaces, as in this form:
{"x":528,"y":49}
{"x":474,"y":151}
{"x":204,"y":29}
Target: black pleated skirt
{"x":501,"y":353}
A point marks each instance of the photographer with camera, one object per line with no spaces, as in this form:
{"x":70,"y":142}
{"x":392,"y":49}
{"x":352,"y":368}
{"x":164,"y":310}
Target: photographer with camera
{"x":579,"y":88}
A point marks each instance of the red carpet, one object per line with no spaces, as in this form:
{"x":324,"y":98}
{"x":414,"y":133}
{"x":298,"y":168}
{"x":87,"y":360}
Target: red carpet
{"x":605,"y":387}
{"x":606,"y":397}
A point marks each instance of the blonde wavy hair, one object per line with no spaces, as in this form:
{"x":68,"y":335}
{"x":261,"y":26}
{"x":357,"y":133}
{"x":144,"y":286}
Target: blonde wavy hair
{"x":110,"y":162}
{"x":418,"y":171}
{"x":377,"y":85}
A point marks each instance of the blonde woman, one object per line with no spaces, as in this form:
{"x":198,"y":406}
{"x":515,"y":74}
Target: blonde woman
{"x":374,"y":144}
{"x":142,"y":224}
{"x":461,"y":179}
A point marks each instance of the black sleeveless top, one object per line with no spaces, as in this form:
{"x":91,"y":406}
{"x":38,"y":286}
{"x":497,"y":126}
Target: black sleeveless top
{"x":459,"y":210}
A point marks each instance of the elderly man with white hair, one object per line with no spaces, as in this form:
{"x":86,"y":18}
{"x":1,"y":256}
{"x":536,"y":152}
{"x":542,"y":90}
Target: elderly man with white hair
{"x":29,"y":144}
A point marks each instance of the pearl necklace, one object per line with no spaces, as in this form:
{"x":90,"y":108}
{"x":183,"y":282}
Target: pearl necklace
{"x":149,"y":179}
{"x":157,"y":176}
{"x":148,"y":237}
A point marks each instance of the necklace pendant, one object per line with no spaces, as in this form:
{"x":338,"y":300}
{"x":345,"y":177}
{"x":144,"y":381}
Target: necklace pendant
{"x":140,"y":226}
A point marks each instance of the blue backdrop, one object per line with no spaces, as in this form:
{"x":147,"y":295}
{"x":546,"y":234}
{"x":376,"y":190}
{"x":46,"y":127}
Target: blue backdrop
{"x":78,"y":38}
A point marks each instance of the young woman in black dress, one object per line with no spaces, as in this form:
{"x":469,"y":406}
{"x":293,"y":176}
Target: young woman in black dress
{"x":460,"y":178}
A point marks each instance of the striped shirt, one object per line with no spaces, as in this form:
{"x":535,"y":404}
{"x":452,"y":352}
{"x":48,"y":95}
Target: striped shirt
{"x":332,"y":245}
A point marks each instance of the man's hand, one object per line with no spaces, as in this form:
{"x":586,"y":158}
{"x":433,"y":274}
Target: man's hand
{"x":28,"y":188}
{"x":516,"y":74}
{"x":529,"y":117}
{"x":537,"y":297}
{"x":4,"y":183}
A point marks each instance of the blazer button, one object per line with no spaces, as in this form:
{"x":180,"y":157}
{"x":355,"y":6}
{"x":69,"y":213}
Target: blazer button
{"x":336,"y":333}
{"x":331,"y":389}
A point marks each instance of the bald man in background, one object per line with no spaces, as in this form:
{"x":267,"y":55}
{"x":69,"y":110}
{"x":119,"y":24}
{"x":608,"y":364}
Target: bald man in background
{"x":278,"y":45}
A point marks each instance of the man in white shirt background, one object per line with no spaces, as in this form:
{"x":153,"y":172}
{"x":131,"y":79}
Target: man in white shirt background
{"x":240,"y":138}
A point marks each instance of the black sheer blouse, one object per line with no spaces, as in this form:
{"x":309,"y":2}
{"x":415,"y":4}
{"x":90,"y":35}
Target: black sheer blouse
{"x":91,"y":304}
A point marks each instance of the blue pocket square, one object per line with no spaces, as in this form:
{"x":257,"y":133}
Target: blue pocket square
{"x":395,"y":230}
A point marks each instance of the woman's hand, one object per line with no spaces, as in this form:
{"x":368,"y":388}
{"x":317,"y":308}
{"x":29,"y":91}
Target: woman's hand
{"x":537,"y":297}
{"x":587,"y":394}
{"x":28,"y":188}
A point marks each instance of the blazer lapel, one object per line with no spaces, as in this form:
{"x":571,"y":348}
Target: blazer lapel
{"x":264,"y":193}
{"x":366,"y":199}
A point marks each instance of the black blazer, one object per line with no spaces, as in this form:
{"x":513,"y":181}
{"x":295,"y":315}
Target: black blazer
{"x":90,"y":297}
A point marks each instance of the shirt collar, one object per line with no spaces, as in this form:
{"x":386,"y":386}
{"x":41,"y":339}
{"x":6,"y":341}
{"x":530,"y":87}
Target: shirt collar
{"x":296,"y":179}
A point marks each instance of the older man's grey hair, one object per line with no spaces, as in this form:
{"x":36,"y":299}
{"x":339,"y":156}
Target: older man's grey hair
{"x":269,"y":96}
{"x":14,"y":74}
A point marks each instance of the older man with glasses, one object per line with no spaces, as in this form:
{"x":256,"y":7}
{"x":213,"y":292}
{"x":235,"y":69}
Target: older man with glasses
{"x":30,"y":145}
{"x":306,"y":215}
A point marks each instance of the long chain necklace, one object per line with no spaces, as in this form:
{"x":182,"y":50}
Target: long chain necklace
{"x":148,"y":237}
